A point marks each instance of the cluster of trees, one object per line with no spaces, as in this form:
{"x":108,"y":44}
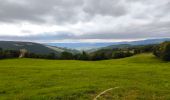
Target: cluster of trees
{"x":144,"y":48}
{"x":22,"y":54}
{"x":110,"y":54}
{"x":8,"y":53}
{"x":163,"y":51}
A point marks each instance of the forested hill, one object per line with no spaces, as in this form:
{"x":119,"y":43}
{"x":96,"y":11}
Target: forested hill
{"x":29,"y":46}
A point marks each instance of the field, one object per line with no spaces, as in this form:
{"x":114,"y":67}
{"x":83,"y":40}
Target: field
{"x":141,"y":77}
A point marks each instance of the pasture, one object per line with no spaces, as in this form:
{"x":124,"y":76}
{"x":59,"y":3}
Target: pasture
{"x":141,"y":77}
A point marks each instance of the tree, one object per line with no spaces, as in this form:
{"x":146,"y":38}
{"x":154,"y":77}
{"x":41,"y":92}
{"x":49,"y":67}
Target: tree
{"x":14,"y":53}
{"x":1,"y":54}
{"x":121,"y":54}
{"x":157,"y":51}
{"x":77,"y":56}
{"x":66,"y":55}
{"x":51,"y":56}
{"x":163,"y":51}
{"x":99,"y":56}
{"x":118,"y":54}
{"x":84,"y":56}
{"x":137,"y":51}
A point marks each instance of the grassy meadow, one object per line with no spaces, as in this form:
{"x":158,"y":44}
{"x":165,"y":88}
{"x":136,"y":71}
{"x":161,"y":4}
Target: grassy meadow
{"x":141,"y":77}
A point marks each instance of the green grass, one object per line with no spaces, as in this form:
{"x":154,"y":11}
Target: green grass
{"x":141,"y":77}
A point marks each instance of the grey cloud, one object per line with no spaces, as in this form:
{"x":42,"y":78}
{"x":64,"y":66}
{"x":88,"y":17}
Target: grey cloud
{"x":59,"y":12}
{"x":15,"y":13}
{"x":39,"y":38}
{"x":105,"y":7}
{"x":37,"y":11}
{"x":65,"y":11}
{"x":152,"y":30}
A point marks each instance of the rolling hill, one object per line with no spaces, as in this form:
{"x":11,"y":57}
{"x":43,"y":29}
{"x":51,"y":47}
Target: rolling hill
{"x":60,"y":49}
{"x":32,"y":47}
{"x":130,"y":44}
{"x":90,"y":46}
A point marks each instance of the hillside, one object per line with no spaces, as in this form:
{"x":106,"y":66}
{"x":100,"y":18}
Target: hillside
{"x":30,"y":46}
{"x":33,"y":47}
{"x":60,"y":49}
{"x":132,"y":44}
{"x":95,"y":45}
{"x":137,"y":43}
{"x":142,"y":77}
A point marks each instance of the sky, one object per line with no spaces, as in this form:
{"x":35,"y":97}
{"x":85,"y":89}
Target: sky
{"x":83,"y":20}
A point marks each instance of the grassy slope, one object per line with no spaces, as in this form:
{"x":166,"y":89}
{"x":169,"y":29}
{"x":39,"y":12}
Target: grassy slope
{"x":140,"y":77}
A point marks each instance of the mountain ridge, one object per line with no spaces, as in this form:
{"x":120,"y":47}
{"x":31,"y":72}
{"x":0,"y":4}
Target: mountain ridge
{"x":89,"y":46}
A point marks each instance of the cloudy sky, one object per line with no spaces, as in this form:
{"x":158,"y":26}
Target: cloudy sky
{"x":84,"y":20}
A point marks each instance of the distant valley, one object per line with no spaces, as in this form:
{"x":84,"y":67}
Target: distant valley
{"x":58,"y":48}
{"x":89,"y":46}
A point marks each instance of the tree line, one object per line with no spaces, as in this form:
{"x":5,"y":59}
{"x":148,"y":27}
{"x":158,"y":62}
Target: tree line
{"x":102,"y":54}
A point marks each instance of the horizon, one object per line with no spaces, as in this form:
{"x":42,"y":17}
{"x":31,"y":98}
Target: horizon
{"x":96,"y":45}
{"x":89,"y":42}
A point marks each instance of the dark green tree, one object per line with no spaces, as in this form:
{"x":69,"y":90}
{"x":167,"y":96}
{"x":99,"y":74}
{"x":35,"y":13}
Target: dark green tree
{"x":84,"y":56}
{"x":66,"y":55}
{"x":163,"y":51}
{"x":50,"y":56}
